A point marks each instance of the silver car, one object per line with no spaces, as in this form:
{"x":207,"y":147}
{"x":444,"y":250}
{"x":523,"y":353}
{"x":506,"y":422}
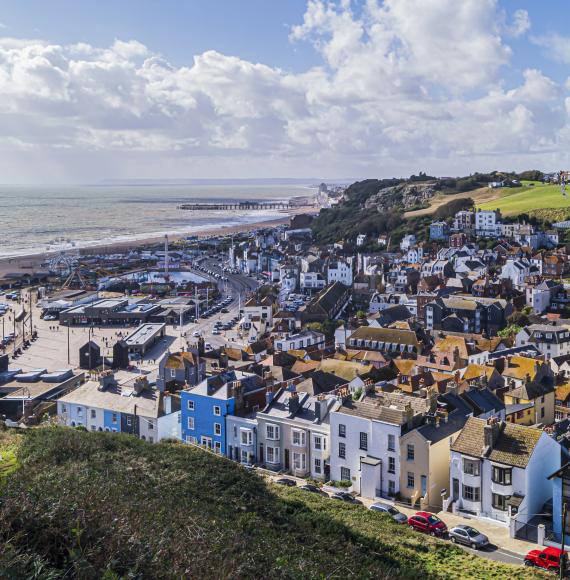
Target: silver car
{"x":385,"y":508}
{"x":468,"y":536}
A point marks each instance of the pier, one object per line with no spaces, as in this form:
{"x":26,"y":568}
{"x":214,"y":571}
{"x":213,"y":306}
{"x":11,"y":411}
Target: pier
{"x":243,"y":205}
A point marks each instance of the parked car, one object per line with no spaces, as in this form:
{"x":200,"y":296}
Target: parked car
{"x":427,"y":523}
{"x":196,"y":333}
{"x":547,"y":559}
{"x":286,"y":481}
{"x":385,"y":508}
{"x":468,"y":536}
{"x":310,"y":487}
{"x":345,"y":496}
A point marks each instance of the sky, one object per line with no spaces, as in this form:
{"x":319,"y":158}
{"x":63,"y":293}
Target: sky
{"x":149,"y":89}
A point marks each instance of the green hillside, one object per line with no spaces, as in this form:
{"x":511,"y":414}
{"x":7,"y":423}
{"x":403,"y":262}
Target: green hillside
{"x":528,"y":199}
{"x":98,"y":505}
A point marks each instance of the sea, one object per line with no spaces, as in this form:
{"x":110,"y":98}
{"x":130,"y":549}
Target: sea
{"x":38,"y":219}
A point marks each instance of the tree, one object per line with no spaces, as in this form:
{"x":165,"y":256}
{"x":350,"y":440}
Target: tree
{"x":519,"y":319}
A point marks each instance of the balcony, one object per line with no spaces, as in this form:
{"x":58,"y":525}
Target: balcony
{"x":501,"y":489}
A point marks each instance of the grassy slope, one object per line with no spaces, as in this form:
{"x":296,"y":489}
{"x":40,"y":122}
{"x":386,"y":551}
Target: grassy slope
{"x":479,"y":196}
{"x":529,"y":199}
{"x":93,"y":504}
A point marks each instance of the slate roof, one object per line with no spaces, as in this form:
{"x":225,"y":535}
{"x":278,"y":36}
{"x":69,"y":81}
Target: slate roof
{"x":393,"y":335}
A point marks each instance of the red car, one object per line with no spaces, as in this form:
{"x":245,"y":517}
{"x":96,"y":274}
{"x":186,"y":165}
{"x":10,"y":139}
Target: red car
{"x":549,"y":559}
{"x":428,"y":524}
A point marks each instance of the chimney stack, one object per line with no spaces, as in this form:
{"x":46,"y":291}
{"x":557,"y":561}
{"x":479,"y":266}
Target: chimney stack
{"x":491,"y":432}
{"x":321,"y":408}
{"x":293,"y":401}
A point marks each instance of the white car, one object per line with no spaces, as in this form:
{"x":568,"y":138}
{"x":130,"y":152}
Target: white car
{"x":196,"y":333}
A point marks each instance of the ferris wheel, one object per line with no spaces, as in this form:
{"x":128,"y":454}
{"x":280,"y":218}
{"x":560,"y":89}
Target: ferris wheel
{"x":62,"y":264}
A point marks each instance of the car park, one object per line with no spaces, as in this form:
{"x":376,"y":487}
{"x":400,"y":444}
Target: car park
{"x":390,"y":510}
{"x":468,"y":536}
{"x":427,"y":523}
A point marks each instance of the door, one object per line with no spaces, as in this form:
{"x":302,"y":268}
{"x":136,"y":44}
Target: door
{"x":455,"y":490}
{"x":424,"y":485}
{"x":286,"y":458}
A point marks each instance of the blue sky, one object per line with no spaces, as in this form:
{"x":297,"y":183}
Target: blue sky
{"x":281,"y":88}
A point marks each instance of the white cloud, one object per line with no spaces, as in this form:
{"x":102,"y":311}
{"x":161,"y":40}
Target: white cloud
{"x":520,"y":24}
{"x":404,"y":85}
{"x":555,"y":46}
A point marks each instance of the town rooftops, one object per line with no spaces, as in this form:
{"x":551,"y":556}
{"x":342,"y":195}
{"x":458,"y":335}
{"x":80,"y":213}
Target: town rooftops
{"x":513,"y":444}
{"x":395,"y":408}
{"x":178,"y":360}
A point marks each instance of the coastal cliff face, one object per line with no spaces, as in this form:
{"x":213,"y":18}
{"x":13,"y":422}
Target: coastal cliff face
{"x":405,"y":196}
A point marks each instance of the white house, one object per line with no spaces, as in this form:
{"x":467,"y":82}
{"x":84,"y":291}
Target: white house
{"x":488,"y":223}
{"x":499,"y":470}
{"x":339,"y":271}
{"x":408,"y":241}
{"x":551,"y":341}
{"x":312,"y":281}
{"x":241,"y":438}
{"x":517,"y":271}
{"x":301,"y":340}
{"x":540,"y":295}
{"x":365,"y":441}
{"x":360,"y":239}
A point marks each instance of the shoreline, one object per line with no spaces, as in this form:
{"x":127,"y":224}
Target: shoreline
{"x":31,"y":263}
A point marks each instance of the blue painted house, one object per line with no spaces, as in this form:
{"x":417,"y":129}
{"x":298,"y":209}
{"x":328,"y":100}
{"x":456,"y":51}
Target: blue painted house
{"x":204,"y":408}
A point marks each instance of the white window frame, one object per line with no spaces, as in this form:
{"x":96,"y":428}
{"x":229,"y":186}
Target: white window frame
{"x":191,"y":423}
{"x":217,"y":429}
{"x":217,"y":411}
{"x":301,"y":435}
{"x":191,"y":405}
{"x":274,"y":453}
{"x":274,"y":435}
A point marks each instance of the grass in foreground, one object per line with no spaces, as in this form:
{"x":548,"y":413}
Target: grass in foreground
{"x":92,"y":505}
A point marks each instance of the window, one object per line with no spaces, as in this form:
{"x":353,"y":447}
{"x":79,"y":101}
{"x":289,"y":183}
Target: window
{"x":317,"y":442}
{"x":471,"y":493}
{"x":151,"y":439}
{"x":364,"y":441}
{"x":235,"y":431}
{"x":298,"y":437}
{"x":391,"y":465}
{"x":411,"y":479}
{"x":190,"y":405}
{"x":217,"y":429}
{"x":150,"y":425}
{"x":299,"y":461}
{"x":191,"y":423}
{"x":502,"y":475}
{"x":391,"y":487}
{"x":129,"y":421}
{"x":191,"y":439}
{"x":272,"y":432}
{"x":342,"y":430}
{"x":246,"y":437}
{"x":471,"y":467}
{"x":499,"y":502}
{"x":217,"y":447}
{"x":391,"y":443}
{"x":63,"y":409}
{"x":217,"y":411}
{"x":273,"y":455}
{"x":342,"y":450}
{"x":318,"y":466}
{"x":411,"y":452}
{"x":345,"y":474}
{"x":93,"y":414}
{"x":173,"y":373}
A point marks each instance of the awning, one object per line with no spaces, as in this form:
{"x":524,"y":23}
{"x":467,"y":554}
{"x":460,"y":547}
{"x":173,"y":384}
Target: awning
{"x":371,"y":461}
{"x":515,"y":500}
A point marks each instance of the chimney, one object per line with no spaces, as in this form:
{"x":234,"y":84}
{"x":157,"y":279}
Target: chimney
{"x":268,"y":396}
{"x":167,"y":404}
{"x":106,"y":380}
{"x":139,"y":386}
{"x":409,"y":415}
{"x":491,"y":432}
{"x":235,"y":389}
{"x":293,"y":401}
{"x":321,"y":408}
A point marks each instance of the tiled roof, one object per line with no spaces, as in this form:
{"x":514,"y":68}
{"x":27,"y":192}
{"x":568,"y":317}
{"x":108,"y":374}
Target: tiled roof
{"x":344,"y":369}
{"x":393,"y":335}
{"x":177,"y":360}
{"x":514,"y":445}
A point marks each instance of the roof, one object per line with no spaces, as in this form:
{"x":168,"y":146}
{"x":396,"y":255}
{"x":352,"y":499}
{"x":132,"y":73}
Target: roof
{"x":514,"y":444}
{"x":394,"y":335}
{"x":474,"y":371}
{"x":521,"y":366}
{"x":344,"y":369}
{"x":386,"y":407}
{"x":178,"y":360}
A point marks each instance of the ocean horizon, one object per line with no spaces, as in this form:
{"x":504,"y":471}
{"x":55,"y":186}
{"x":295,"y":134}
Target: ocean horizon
{"x":35,"y":219}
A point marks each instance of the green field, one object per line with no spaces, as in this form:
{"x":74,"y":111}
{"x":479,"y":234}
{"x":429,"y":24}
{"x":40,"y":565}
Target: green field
{"x":528,"y":199}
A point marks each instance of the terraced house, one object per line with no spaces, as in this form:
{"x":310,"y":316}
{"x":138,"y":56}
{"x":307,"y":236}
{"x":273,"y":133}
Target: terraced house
{"x":388,"y":340}
{"x":294,"y":433}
